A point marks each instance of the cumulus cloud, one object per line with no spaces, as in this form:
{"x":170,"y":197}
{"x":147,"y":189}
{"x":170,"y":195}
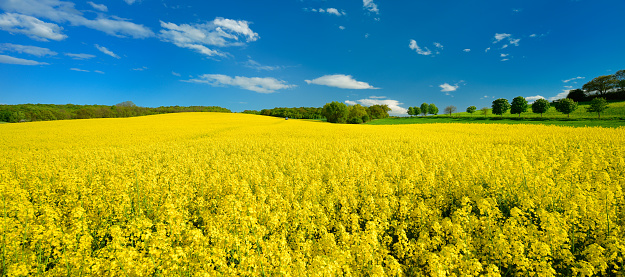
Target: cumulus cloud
{"x":560,"y":95}
{"x":425,"y":51}
{"x":499,"y":37}
{"x":14,"y":60}
{"x":80,"y":56}
{"x":342,"y":27}
{"x":573,"y":79}
{"x":30,"y":26}
{"x":340,"y":81}
{"x":377,"y":97}
{"x":394,"y":105}
{"x":219,"y":32}
{"x":531,"y":99}
{"x":506,"y":37}
{"x":32,"y":50}
{"x":106,"y":51}
{"x":370,"y":6}
{"x":64,"y":12}
{"x":448,"y":88}
{"x":257,"y":84}
{"x":99,"y":7}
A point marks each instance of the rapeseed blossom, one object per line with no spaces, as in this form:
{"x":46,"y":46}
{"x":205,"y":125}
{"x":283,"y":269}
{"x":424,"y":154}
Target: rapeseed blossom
{"x":208,"y":194}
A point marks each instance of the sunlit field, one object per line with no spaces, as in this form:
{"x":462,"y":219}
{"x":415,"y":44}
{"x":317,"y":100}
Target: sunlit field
{"x":210,"y":194}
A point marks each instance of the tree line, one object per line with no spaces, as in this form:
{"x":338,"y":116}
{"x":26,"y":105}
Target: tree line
{"x":423,"y":110}
{"x":337,"y":112}
{"x":46,"y":112}
{"x":297,"y":113}
{"x":566,"y":106}
{"x":609,"y":87}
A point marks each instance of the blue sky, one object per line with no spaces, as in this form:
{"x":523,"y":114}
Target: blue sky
{"x":290,"y":53}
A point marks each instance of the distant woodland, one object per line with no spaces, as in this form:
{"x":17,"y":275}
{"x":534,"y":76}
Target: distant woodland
{"x":45,"y":112}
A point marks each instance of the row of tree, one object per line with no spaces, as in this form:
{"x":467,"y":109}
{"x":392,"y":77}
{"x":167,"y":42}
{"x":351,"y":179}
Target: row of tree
{"x":46,"y":112}
{"x":566,"y":106}
{"x":298,"y":113}
{"x":424,"y":110}
{"x":337,"y":112}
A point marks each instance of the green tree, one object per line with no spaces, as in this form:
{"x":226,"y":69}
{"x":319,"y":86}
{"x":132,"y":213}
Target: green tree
{"x":335,"y":112}
{"x":484,"y":111}
{"x":357,"y":114}
{"x":500,"y":106}
{"x":378,"y":111}
{"x":126,"y":104}
{"x":576,"y":95}
{"x":540,"y":106}
{"x":620,"y":79}
{"x":425,"y":108}
{"x":601,"y":84}
{"x":518,"y":106}
{"x":432,"y":109}
{"x":417,"y":110}
{"x":471,"y":109}
{"x":597,"y":105}
{"x":566,"y":106}
{"x":450,"y":109}
{"x":410,"y":111}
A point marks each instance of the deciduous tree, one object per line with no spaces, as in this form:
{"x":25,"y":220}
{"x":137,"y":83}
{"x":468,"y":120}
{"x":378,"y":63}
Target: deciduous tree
{"x":566,"y":106}
{"x":450,"y":109}
{"x":425,"y":108}
{"x":597,"y":105}
{"x":601,"y":84}
{"x":471,"y":109}
{"x":432,"y":109}
{"x":576,"y":95}
{"x":518,"y":106}
{"x":500,"y":106}
{"x":335,"y":112}
{"x":540,"y":106}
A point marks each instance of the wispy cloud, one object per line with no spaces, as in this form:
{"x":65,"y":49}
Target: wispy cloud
{"x":64,"y":12}
{"x":14,"y":60}
{"x":106,"y":51}
{"x":175,"y":74}
{"x":332,"y":11}
{"x":99,"y":7}
{"x":255,"y":65}
{"x":257,"y":84}
{"x":140,"y":68}
{"x":394,"y":105}
{"x":340,"y":81}
{"x":573,"y":79}
{"x":78,"y":69}
{"x":98,"y":71}
{"x":421,"y":51}
{"x":32,"y":50}
{"x":467,"y":50}
{"x":506,"y":37}
{"x":30,"y":26}
{"x":80,"y":56}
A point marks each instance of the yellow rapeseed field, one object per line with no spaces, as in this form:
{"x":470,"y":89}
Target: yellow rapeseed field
{"x":210,"y":194}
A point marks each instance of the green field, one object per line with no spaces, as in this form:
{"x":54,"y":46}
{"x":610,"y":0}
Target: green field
{"x":613,"y":117}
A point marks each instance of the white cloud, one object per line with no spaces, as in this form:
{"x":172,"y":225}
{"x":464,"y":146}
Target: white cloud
{"x":413,"y":45}
{"x":487,"y":49}
{"x":106,"y":51}
{"x":573,"y":79}
{"x":14,"y":60}
{"x":370,"y":6}
{"x":438,"y":45}
{"x":515,"y":42}
{"x":219,"y":32}
{"x":503,"y":60}
{"x":333,"y":11}
{"x":79,"y":70}
{"x":140,"y":68}
{"x":32,"y":50}
{"x":63,"y":11}
{"x":98,"y":71}
{"x":560,"y":95}
{"x":531,"y":99}
{"x":499,"y":37}
{"x":377,"y":97}
{"x":99,"y":7}
{"x":396,"y":110}
{"x":80,"y":56}
{"x":447,"y":87}
{"x":533,"y":35}
{"x":504,"y":55}
{"x":467,"y":50}
{"x":342,"y":27}
{"x":257,"y":84}
{"x":175,"y":74}
{"x":30,"y":26}
{"x":130,"y":2}
{"x":340,"y":81}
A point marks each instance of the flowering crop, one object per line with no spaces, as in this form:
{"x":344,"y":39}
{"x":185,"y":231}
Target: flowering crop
{"x":206,"y":194}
